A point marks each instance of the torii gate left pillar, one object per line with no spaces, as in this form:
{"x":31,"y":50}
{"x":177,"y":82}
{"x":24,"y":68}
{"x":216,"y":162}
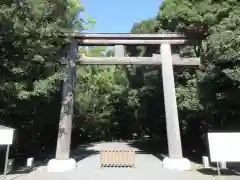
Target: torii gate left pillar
{"x":62,"y":161}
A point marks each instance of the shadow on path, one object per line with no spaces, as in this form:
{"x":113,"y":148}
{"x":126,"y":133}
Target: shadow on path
{"x":19,"y":164}
{"x":155,"y":147}
{"x":159,"y":149}
{"x":84,"y":151}
{"x":214,"y":172}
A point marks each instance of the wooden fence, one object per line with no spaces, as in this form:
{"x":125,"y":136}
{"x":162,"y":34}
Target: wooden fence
{"x":117,"y":157}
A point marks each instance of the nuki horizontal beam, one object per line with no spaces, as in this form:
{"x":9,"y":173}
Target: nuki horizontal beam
{"x":128,"y":35}
{"x":106,"y":39}
{"x":155,"y":60}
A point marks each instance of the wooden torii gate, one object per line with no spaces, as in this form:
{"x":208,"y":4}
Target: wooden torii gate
{"x":165,"y":58}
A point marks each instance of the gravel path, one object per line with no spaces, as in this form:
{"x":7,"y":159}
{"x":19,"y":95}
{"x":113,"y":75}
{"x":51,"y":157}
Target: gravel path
{"x":148,"y":167}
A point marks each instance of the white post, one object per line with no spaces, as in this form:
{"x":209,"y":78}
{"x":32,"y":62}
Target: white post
{"x":62,"y":162}
{"x":205,"y":162}
{"x":218,"y":169}
{"x":175,"y":159}
{"x":223,"y":165}
{"x":30,"y":162}
{"x":6,"y":162}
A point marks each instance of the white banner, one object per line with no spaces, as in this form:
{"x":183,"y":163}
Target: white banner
{"x":6,"y":136}
{"x":224,"y":147}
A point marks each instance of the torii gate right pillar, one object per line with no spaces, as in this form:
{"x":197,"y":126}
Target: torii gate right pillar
{"x":175,"y":159}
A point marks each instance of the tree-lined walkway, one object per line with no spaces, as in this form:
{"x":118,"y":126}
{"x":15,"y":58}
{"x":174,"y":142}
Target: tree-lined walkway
{"x":148,"y":167}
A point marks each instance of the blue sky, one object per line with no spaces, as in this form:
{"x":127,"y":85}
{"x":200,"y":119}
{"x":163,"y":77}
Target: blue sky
{"x":119,"y":15}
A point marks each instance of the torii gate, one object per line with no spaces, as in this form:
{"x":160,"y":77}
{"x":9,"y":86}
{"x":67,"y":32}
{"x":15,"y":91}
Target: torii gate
{"x":165,"y":58}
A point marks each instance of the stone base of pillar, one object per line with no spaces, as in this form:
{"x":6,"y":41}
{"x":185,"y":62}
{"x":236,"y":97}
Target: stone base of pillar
{"x":182,"y":164}
{"x":55,"y":165}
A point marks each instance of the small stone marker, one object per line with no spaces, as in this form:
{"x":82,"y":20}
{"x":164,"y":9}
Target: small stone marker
{"x":205,"y":162}
{"x":223,"y":165}
{"x":10,"y":165}
{"x":30,"y":162}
